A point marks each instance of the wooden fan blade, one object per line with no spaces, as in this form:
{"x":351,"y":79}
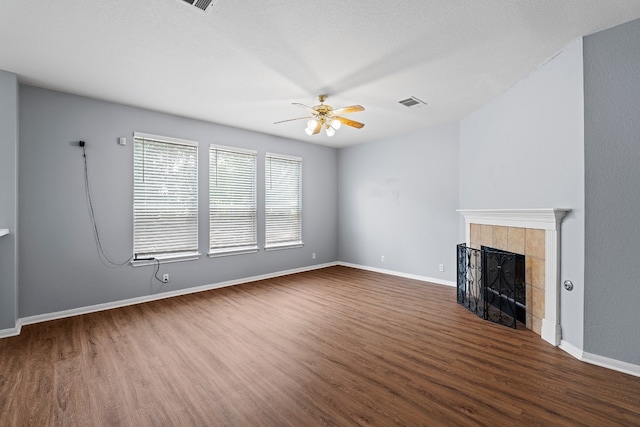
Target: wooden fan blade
{"x":349,"y":109}
{"x":317,"y":129}
{"x":290,"y":120}
{"x":349,"y":122}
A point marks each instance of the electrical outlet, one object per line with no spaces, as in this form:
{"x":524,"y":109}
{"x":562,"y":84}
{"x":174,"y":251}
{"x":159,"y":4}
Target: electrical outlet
{"x":313,"y":255}
{"x":165,"y":278}
{"x":382,"y":258}
{"x":441,"y":267}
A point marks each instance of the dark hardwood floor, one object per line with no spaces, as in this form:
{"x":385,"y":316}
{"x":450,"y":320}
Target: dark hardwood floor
{"x":332,"y":347}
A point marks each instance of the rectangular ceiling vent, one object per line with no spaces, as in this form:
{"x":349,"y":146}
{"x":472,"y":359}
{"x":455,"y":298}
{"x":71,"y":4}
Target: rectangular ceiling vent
{"x":412,"y":102}
{"x":203,"y":5}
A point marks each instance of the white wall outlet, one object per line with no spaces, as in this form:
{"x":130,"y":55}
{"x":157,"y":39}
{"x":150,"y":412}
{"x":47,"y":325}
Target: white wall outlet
{"x":382,"y":258}
{"x":122,"y":140}
{"x":313,"y":255}
{"x":165,"y":278}
{"x":441,"y":267}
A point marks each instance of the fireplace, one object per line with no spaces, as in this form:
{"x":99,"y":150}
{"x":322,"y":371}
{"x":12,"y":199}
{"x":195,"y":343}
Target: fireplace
{"x":491,"y":284}
{"x":536,"y":234}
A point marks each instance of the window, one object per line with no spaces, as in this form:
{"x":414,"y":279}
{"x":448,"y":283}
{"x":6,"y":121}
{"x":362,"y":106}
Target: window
{"x":232,"y":201}
{"x":283,"y":201}
{"x":165,"y":197}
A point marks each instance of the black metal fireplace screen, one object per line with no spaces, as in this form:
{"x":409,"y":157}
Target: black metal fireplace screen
{"x":491,"y":284}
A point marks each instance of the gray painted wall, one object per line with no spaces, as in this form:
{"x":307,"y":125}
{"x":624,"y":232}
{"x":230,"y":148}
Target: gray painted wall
{"x":397,"y":198}
{"x":8,"y":199}
{"x":612,"y":151}
{"x":59,"y":265}
{"x":526,"y":150}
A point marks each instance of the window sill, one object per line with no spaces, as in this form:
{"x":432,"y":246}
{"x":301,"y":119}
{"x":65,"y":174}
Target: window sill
{"x":279,"y":246}
{"x":233,"y":251}
{"x":164,"y":259}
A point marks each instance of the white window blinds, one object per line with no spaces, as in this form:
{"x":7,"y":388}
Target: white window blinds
{"x":232,"y":200}
{"x":165,"y":196}
{"x":283,"y":201}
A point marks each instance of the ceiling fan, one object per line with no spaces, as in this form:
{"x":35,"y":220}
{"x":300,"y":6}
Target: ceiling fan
{"x":324,"y":116}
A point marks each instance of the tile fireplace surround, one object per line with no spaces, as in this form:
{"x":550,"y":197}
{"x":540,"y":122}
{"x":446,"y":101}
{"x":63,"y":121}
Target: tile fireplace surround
{"x":534,"y":233}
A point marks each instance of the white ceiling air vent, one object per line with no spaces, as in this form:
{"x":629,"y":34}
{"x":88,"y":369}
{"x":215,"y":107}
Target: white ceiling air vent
{"x":412,"y":102}
{"x":203,"y":5}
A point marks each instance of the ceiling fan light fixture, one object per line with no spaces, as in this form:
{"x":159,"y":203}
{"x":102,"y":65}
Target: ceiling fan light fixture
{"x":326,"y":116}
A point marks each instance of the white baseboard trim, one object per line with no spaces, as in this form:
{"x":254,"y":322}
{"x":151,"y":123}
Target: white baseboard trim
{"x":571,"y":349}
{"x":11,"y":332}
{"x":605,"y":362}
{"x":612,"y":364}
{"x":148,"y":298}
{"x":574,"y":351}
{"x":551,"y":332}
{"x":399,"y":274}
{"x":30,"y":320}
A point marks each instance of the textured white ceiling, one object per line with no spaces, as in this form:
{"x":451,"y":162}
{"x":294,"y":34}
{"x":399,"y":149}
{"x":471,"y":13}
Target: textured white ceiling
{"x":244,"y":62}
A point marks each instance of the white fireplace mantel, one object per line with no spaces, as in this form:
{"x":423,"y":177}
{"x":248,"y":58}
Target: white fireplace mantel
{"x":543,"y":219}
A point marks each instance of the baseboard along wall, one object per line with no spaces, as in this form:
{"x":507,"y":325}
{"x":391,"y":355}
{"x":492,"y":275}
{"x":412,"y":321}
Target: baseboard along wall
{"x":574,"y":351}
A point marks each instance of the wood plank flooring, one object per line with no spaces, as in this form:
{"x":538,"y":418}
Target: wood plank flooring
{"x":332,"y":347}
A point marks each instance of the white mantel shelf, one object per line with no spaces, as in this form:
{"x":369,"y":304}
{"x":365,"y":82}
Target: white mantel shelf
{"x":4,"y":231}
{"x":544,"y":218}
{"x":548,"y":219}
